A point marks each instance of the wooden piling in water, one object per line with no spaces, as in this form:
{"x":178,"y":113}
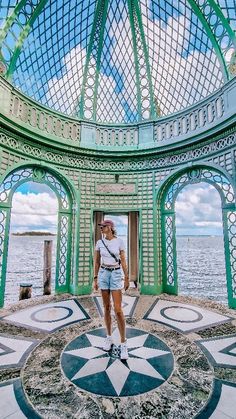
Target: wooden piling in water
{"x":47,"y":267}
{"x":25,"y":291}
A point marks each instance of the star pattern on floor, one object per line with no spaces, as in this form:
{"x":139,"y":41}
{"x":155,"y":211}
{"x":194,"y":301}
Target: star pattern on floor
{"x":221,"y":351}
{"x":14,"y":350}
{"x":149,"y":364}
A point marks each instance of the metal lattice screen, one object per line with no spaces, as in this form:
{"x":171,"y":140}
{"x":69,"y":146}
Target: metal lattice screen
{"x":117,"y":92}
{"x":184,"y":66}
{"x":146,"y":58}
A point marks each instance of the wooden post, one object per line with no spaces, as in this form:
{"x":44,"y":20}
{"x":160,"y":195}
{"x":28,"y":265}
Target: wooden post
{"x":47,"y":268}
{"x":25,"y":291}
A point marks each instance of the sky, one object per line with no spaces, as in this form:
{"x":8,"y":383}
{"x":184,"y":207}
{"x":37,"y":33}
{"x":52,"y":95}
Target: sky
{"x":198,"y":210}
{"x":51,"y":64}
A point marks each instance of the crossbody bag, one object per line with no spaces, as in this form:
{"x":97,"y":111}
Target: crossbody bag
{"x":112,"y":254}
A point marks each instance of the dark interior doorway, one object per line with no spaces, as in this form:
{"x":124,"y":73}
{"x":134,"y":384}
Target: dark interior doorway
{"x":127,"y":229}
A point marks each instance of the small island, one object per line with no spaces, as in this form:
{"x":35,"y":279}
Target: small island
{"x":34,"y":233}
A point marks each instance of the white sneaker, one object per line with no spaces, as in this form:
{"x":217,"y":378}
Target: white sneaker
{"x":107,"y":343}
{"x":124,"y":351}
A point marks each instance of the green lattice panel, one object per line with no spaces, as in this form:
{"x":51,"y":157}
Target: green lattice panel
{"x":218,"y":27}
{"x":84,"y":248}
{"x":117,"y":92}
{"x":3,"y":216}
{"x":159,"y":255}
{"x":229,"y":10}
{"x":169,"y":251}
{"x":12,"y":180}
{"x":147,"y":248}
{"x":184,"y":65}
{"x":51,"y":64}
{"x":231,"y":219}
{"x":224,"y":160}
{"x":200,"y":175}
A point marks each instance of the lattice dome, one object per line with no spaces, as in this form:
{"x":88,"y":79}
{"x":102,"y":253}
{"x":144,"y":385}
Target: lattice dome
{"x":117,"y":61}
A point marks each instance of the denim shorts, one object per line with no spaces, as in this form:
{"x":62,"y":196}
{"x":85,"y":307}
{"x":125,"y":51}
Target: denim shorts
{"x":110,"y":280}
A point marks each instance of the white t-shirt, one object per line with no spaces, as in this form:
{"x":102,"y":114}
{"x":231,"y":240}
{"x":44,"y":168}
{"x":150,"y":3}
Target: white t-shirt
{"x":115,"y":246}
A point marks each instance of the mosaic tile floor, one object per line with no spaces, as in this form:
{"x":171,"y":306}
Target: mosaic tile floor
{"x":14,"y":350}
{"x":183,"y":317}
{"x":221,"y":351}
{"x":89,"y":367}
{"x":49,"y":317}
{"x":13,"y":403}
{"x":64,"y":339}
{"x":222,"y":402}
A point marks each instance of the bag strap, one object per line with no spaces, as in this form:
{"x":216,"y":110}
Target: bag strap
{"x":112,"y":254}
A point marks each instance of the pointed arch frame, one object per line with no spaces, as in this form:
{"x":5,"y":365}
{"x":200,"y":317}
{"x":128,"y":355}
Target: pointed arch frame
{"x":67,"y":203}
{"x":166,"y":198}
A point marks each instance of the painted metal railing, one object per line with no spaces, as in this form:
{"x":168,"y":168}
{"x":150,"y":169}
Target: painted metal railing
{"x":192,"y":122}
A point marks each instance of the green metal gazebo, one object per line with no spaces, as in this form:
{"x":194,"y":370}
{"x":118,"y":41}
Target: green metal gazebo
{"x":116,"y":106}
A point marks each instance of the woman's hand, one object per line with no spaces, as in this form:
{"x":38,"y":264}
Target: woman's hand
{"x":95,"y":283}
{"x":126,"y":283}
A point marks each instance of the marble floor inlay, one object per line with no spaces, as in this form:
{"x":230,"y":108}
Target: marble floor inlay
{"x":221,"y":351}
{"x":13,"y":403}
{"x":128,"y":305}
{"x":90,"y":368}
{"x":222,"y":402}
{"x":14,"y":350}
{"x":183,"y":317}
{"x":49,"y":317}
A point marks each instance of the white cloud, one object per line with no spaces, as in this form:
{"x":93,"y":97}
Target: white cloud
{"x":170,"y":69}
{"x":177,"y":80}
{"x":34,"y":212}
{"x":198,"y":210}
{"x":64,"y":93}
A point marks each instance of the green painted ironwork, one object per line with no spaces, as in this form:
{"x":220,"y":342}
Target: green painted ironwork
{"x":65,"y":252}
{"x":78,"y":76}
{"x":12,"y":20}
{"x":209,"y":32}
{"x":8,"y":24}
{"x":87,"y":104}
{"x":166,"y":199}
{"x":145,"y":97}
{"x":22,"y":38}
{"x":225,"y":36}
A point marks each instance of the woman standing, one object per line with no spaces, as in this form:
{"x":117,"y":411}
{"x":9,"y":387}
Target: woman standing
{"x":109,"y":255}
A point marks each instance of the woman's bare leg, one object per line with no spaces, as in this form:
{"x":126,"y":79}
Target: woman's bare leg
{"x":106,"y":298}
{"x":117,"y":301}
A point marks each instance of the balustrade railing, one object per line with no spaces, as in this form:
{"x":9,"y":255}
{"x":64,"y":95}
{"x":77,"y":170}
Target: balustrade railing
{"x":173,"y":128}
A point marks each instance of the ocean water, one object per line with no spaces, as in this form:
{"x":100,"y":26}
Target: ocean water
{"x":25,"y":265}
{"x":200,"y":261}
{"x":201,"y":267}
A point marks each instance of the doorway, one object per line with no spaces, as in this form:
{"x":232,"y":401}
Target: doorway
{"x":127,"y":229}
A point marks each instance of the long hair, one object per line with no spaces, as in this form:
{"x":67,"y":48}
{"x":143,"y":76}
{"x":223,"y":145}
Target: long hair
{"x":114,"y":232}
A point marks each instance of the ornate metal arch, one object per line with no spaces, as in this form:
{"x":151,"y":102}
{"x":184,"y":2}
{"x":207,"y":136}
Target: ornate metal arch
{"x":65,"y":198}
{"x":21,"y":18}
{"x":166,"y":203}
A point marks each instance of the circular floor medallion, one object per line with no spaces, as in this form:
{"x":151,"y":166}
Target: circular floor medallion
{"x":181,"y":314}
{"x":90,"y":368}
{"x":51,"y":314}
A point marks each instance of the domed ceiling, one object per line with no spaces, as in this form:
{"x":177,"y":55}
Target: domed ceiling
{"x":117,"y":61}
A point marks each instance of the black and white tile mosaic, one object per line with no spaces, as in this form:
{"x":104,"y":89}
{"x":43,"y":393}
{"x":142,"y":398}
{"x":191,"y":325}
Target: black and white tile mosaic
{"x":184,"y":317}
{"x":89,"y":367}
{"x":49,"y":317}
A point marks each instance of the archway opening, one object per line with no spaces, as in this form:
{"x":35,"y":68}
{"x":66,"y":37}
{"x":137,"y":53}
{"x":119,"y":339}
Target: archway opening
{"x":127,"y":229}
{"x":34,"y":218}
{"x":200,"y":243}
